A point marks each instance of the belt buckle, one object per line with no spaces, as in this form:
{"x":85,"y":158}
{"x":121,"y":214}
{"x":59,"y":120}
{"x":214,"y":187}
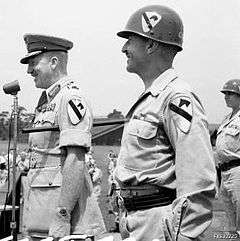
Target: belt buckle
{"x":33,"y":162}
{"x":120,"y":200}
{"x":223,"y":166}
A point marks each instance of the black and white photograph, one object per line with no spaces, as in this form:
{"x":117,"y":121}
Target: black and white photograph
{"x":120,"y":120}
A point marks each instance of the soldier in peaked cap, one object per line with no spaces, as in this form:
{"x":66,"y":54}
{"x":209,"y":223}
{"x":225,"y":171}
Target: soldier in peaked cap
{"x":37,"y":44}
{"x":58,"y":187}
{"x":165,"y":167}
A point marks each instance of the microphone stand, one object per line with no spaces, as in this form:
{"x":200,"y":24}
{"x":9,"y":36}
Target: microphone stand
{"x":13,"y":225}
{"x":12,"y":88}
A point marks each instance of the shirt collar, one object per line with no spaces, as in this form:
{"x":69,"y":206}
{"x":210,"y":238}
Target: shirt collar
{"x":57,"y":86}
{"x":162,"y":82}
{"x":235,"y":116}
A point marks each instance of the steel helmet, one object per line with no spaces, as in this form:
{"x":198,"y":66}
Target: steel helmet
{"x":156,"y":22}
{"x":232,"y":85}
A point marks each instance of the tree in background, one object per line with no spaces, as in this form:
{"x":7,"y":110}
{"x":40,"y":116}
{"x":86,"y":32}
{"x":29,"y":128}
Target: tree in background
{"x":115,"y":115}
{"x":24,"y":118}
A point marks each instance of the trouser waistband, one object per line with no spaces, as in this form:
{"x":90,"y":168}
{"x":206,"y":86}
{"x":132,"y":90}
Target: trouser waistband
{"x":228,"y":165}
{"x":140,"y":198}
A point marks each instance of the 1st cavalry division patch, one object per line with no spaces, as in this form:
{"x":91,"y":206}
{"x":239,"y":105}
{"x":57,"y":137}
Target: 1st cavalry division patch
{"x":76,"y":110}
{"x":182,"y":111}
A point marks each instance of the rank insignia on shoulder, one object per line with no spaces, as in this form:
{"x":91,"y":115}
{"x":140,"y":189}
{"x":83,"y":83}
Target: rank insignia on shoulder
{"x":54,"y":91}
{"x":75,"y":87}
{"x":182,"y":111}
{"x":76,"y":110}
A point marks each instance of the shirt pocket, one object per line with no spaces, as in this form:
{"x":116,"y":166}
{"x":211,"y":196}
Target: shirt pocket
{"x":232,"y":131}
{"x":143,"y":132}
{"x":48,"y":117}
{"x":42,"y":199}
{"x":231,"y":139}
{"x":47,"y":177}
{"x":142,"y":129}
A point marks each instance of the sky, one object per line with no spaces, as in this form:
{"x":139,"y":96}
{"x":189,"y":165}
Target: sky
{"x":210,"y":56}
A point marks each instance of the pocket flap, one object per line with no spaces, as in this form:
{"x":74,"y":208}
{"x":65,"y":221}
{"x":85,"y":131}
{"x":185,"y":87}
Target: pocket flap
{"x":143,"y":129}
{"x":47,"y":178}
{"x":48,"y":117}
{"x":232,"y":131}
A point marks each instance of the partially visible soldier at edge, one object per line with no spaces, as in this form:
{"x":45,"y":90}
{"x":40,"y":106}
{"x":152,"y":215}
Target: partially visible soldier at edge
{"x":58,"y":185}
{"x":228,"y":154}
{"x":165,"y":167}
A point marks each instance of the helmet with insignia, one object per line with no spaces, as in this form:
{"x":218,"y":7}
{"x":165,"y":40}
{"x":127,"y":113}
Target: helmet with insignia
{"x":37,"y":44}
{"x":232,"y":85}
{"x":156,"y":22}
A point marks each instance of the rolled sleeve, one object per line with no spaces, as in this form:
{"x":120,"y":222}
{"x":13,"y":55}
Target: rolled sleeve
{"x":73,"y":137}
{"x":74,"y":133}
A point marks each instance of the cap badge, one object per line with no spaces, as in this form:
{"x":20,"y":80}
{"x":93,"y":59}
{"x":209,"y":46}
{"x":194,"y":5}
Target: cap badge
{"x":150,"y":20}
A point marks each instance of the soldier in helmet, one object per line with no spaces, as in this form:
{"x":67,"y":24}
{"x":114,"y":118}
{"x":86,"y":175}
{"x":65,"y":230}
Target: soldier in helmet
{"x":58,"y":187}
{"x":228,"y":153}
{"x":165,"y":168}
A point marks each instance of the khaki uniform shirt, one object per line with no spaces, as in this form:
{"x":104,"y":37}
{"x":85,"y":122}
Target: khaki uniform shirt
{"x":56,"y":112}
{"x":166,"y":143}
{"x":63,"y":105}
{"x":228,"y":139}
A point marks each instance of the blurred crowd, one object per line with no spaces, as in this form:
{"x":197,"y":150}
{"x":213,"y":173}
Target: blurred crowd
{"x":96,"y":174}
{"x":22,"y":163}
{"x":6,"y":161}
{"x":113,"y":209}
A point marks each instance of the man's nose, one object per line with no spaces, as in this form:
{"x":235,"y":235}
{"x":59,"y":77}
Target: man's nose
{"x":124,"y":48}
{"x":29,"y":69}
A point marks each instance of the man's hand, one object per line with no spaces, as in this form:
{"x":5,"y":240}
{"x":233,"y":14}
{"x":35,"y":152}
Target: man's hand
{"x":60,"y":226}
{"x":75,"y":179}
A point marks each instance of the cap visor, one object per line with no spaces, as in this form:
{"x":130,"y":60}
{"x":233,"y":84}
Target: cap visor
{"x":25,"y":59}
{"x":124,"y":34}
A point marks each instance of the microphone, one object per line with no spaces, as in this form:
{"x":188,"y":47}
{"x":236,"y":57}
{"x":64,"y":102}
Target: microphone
{"x":11,"y":88}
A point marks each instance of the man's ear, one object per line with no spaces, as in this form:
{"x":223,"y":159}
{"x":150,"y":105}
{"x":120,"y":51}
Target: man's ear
{"x":151,"y":46}
{"x":54,"y":62}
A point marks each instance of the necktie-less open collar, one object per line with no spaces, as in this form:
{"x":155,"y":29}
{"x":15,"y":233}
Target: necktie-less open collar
{"x":141,"y":98}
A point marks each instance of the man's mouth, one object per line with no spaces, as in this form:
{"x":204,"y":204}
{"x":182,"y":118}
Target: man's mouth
{"x":34,"y":74}
{"x":128,"y":55}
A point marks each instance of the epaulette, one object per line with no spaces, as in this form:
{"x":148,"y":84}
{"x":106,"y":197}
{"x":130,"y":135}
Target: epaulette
{"x":54,"y":91}
{"x":72,"y":85}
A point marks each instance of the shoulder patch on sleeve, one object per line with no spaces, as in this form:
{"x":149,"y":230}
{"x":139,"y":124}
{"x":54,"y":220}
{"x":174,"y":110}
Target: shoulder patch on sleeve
{"x":182,"y":111}
{"x":76,"y":110}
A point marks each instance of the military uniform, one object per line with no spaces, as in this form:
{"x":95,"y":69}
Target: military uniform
{"x":228,"y":155}
{"x":166,"y":147}
{"x":63,"y":105}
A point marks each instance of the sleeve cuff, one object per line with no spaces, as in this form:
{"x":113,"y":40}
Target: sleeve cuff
{"x":73,"y":137}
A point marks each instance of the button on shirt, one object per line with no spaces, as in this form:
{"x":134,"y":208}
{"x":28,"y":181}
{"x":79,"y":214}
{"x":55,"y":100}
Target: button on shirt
{"x":228,"y":139}
{"x":169,"y":149}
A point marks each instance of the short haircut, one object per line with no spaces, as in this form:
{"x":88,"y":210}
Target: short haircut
{"x":62,"y":58}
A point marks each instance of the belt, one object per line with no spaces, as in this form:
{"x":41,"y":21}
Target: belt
{"x":228,"y":165}
{"x":137,"y":198}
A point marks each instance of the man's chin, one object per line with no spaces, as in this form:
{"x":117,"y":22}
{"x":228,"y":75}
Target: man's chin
{"x":130,"y":69}
{"x":37,"y":85}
